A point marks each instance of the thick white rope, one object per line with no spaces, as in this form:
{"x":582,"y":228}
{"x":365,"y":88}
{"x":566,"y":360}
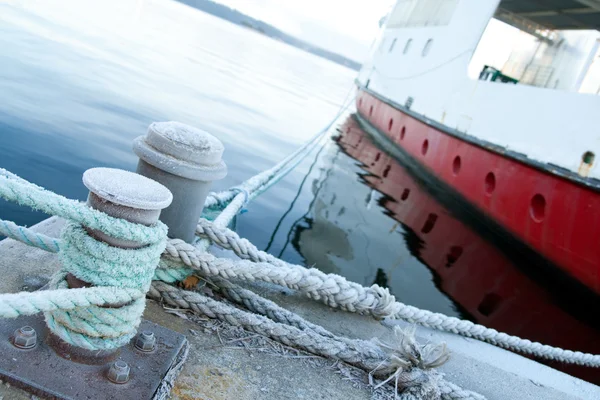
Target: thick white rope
{"x":387,"y":306}
{"x":405,"y":362}
{"x":331,"y":294}
{"x":331,"y":289}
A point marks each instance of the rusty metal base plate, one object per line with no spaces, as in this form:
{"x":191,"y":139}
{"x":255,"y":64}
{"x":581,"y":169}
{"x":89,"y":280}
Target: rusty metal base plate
{"x":42,"y":372}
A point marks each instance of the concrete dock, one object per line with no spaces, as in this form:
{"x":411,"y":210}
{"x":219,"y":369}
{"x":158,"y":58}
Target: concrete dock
{"x":226,"y":362}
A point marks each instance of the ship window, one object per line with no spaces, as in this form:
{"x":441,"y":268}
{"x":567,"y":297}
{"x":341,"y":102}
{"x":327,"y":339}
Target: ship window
{"x":427,"y":47}
{"x":407,"y":46}
{"x":424,"y":147}
{"x":392,"y":45}
{"x":418,"y":13}
{"x":386,"y":171}
{"x":456,"y":165}
{"x":538,"y":207}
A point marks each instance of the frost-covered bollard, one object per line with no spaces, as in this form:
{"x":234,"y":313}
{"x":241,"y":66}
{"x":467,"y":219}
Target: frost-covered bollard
{"x":125,"y":195}
{"x":185,"y":160}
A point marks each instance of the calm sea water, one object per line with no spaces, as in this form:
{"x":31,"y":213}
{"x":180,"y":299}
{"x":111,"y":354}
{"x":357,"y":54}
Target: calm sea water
{"x":80,"y":79}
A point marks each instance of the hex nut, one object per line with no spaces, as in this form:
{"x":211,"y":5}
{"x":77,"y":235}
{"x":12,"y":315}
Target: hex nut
{"x":145,"y":341}
{"x":119,"y":372}
{"x":25,"y":338}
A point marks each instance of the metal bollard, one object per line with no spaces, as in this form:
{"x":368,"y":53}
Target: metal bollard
{"x":125,"y":195}
{"x":36,"y":359}
{"x":185,"y":160}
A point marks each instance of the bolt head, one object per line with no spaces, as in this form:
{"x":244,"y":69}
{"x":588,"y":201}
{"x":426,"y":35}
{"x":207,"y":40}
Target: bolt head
{"x":119,"y":372}
{"x":25,"y":338}
{"x":145,"y":341}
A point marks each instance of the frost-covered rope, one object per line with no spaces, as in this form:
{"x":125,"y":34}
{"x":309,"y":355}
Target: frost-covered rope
{"x":13,"y":305}
{"x":333,"y":290}
{"x":407,"y":363}
{"x":37,"y":198}
{"x":233,"y":200}
{"x":374,"y":300}
{"x":29,"y":237}
{"x":120,"y":277}
{"x":383,"y":304}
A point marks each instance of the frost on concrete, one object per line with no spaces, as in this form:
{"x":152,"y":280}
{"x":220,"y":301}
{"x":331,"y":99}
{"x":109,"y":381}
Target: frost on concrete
{"x":234,"y":337}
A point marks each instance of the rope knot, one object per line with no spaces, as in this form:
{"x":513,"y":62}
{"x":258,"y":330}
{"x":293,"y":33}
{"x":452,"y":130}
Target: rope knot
{"x":386,"y":302}
{"x":237,"y":190}
{"x":102,"y":265}
{"x":410,"y":365}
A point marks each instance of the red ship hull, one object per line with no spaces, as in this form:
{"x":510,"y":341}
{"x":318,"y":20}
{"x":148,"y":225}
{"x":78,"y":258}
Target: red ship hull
{"x":552,"y":215}
{"x":476,"y":275}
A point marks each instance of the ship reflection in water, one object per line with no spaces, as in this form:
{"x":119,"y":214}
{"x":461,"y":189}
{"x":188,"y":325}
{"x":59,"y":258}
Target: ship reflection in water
{"x":405,"y":239}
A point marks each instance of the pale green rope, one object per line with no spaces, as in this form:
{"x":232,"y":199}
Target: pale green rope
{"x":120,"y":277}
{"x":37,"y":198}
{"x":169,"y":274}
{"x":13,"y":305}
{"x":29,"y":237}
{"x":104,"y":265}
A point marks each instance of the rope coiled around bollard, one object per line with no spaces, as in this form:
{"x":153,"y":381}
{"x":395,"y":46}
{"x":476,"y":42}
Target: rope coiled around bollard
{"x":120,"y":277}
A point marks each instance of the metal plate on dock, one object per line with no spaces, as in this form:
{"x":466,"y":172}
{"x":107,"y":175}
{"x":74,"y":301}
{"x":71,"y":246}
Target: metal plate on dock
{"x":42,"y":372}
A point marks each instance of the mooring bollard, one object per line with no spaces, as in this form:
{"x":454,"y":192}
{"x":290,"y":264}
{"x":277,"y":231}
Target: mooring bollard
{"x":126,"y":195}
{"x":34,"y":354}
{"x":121,"y":194}
{"x":185,"y":160}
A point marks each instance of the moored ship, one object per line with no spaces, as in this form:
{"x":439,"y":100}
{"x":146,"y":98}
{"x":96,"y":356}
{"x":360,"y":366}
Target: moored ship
{"x":517,"y":144}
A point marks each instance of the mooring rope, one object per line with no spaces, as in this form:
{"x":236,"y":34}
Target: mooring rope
{"x":335,"y":291}
{"x":230,"y":202}
{"x":408,"y":364}
{"x":119,"y":276}
{"x":122,"y":277}
{"x":37,"y":198}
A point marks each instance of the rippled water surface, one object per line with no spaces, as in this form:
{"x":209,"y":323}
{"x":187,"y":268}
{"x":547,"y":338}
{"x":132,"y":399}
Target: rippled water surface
{"x":79,"y":80}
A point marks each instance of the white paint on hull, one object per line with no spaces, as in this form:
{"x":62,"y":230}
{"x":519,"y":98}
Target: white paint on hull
{"x":547,"y":125}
